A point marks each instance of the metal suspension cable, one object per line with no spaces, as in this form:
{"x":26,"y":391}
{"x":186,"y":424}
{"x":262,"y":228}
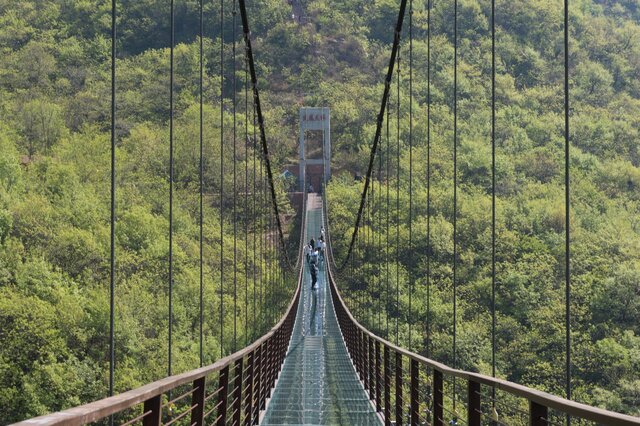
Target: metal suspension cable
{"x":376,"y":139}
{"x":263,"y":138}
{"x":388,"y":175}
{"x":253,"y":215}
{"x":379,"y":204}
{"x":493,"y":196}
{"x":567,"y":202}
{"x":171,"y":83}
{"x":246,"y":199}
{"x":234,"y":161}
{"x":411,"y":280}
{"x":455,"y":188}
{"x":428,"y":348}
{"x":398,"y":202}
{"x":201,"y":176}
{"x":221,"y":177}
{"x":112,"y":254}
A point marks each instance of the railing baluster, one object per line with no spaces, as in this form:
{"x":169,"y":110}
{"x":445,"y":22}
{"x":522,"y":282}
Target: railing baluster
{"x":387,"y":386}
{"x":371,"y":370}
{"x":438,"y":412}
{"x":365,"y":361}
{"x":473,"y":411}
{"x":538,"y":414}
{"x":259,"y":395}
{"x":398,"y":388}
{"x":237,"y":391}
{"x":154,"y":407}
{"x":223,"y":385}
{"x":197,"y":402}
{"x":248,"y":411}
{"x":378,"y":377}
{"x":414,"y":403}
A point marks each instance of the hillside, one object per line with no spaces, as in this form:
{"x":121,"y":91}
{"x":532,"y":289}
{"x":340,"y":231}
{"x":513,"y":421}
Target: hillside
{"x":54,"y":183}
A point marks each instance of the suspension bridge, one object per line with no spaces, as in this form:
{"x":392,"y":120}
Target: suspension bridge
{"x":318,"y":364}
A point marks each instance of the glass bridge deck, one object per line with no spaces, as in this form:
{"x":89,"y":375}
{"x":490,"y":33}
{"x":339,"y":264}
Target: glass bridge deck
{"x":318,"y":384}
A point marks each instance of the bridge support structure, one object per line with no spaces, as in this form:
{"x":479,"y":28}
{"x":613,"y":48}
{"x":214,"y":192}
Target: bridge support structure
{"x":314,"y":119}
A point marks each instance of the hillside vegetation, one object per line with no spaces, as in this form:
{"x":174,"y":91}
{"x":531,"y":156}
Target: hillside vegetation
{"x":54,"y":185}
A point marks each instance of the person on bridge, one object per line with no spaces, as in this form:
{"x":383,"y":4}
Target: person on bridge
{"x":320,"y":247}
{"x":313,"y":268}
{"x":308,"y":248}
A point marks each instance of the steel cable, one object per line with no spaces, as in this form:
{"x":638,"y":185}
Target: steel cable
{"x":171,"y":84}
{"x":221,"y":177}
{"x":234,"y":161}
{"x":455,"y":187}
{"x":112,"y":254}
{"x":428,"y":348}
{"x":201,"y":176}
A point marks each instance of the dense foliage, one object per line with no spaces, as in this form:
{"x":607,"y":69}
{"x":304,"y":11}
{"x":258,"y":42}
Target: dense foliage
{"x":55,"y":204}
{"x":605,"y":176}
{"x":54,"y":185}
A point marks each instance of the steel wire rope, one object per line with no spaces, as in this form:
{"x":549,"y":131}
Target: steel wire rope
{"x":221,"y":178}
{"x":263,"y":138}
{"x":234,"y":161}
{"x":410,"y":277}
{"x":379,"y":209}
{"x":428,"y":348}
{"x":246,"y":198}
{"x":567,"y":202}
{"x":397,"y":247}
{"x":493,"y":198}
{"x":254,"y":220}
{"x":201,"y":177}
{"x":388,"y":184}
{"x":112,"y":220}
{"x":455,"y":188}
{"x":263,"y":241}
{"x":376,"y":139}
{"x":171,"y":159}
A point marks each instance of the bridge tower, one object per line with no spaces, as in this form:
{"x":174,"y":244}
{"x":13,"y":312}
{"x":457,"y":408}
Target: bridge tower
{"x":316,"y":118}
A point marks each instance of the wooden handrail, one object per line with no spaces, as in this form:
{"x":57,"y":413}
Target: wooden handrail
{"x":100,"y":409}
{"x":572,"y":408}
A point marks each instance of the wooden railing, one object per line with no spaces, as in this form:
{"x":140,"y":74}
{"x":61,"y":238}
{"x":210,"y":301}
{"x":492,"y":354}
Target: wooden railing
{"x":407,"y":388}
{"x":233,"y":390}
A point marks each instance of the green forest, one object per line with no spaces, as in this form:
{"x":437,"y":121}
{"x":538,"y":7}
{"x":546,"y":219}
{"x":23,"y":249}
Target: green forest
{"x":409,"y":281}
{"x":55,"y":153}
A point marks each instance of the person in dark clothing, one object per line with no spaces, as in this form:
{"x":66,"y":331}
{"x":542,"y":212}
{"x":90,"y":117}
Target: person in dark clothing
{"x":314,"y":276}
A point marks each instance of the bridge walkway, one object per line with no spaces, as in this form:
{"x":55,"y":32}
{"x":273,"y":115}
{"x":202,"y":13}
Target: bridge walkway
{"x":318,"y":383}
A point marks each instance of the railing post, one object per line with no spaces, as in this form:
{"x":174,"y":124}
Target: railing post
{"x":387,"y":387}
{"x":538,"y":414}
{"x":399,"y":388}
{"x":378,"y":377}
{"x":473,"y":412}
{"x":414,"y":403}
{"x":154,"y":405}
{"x":371,"y":369}
{"x":197,"y":402}
{"x":223,"y":387}
{"x":438,"y":383}
{"x":365,"y":361}
{"x":237,"y":401}
{"x":358,"y":345}
{"x":258,"y":375}
{"x":250,"y":397}
{"x":269,"y":369}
